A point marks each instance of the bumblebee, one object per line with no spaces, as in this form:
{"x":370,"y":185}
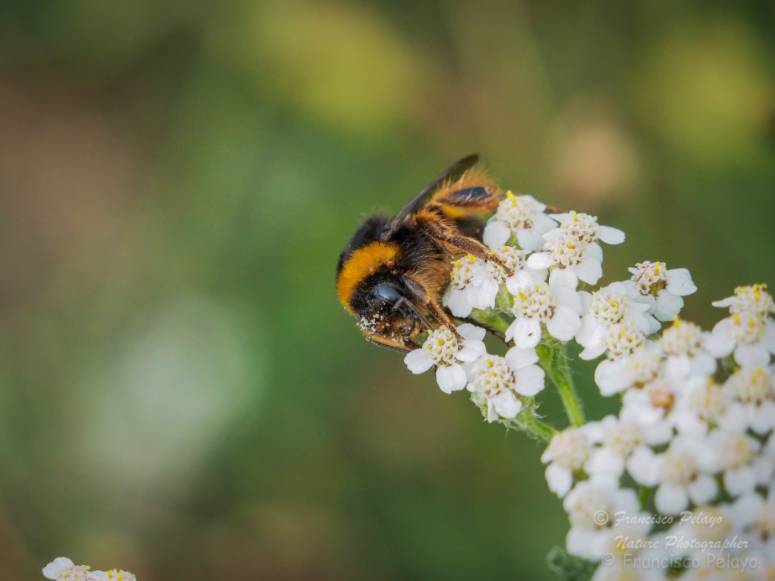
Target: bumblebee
{"x":393,"y":273}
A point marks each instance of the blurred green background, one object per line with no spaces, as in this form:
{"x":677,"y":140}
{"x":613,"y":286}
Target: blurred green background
{"x":181,"y":394}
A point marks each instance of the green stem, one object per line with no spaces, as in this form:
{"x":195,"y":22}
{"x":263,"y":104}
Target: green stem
{"x":490,"y":319}
{"x":644,"y":495}
{"x":554,"y":359}
{"x":527,"y":422}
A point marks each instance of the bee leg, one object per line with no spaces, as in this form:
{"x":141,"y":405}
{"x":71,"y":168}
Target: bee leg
{"x":438,"y":313}
{"x":403,"y":302}
{"x":460,"y":242}
{"x":434,"y":308}
{"x":390,"y":343}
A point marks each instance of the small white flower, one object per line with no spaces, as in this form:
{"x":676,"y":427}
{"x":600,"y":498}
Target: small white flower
{"x":628,"y":545}
{"x":650,"y":407}
{"x":663,"y":287}
{"x":739,"y":461}
{"x":572,"y":251}
{"x":749,"y":299}
{"x":63,"y":569}
{"x":685,"y":474}
{"x":642,"y":366}
{"x":118,"y":575}
{"x":519,"y":216}
{"x":699,"y":534}
{"x":537,"y":303}
{"x":700,"y":406}
{"x":567,"y":453}
{"x":465,"y":292}
{"x":499,"y":381}
{"x":516,"y":260}
{"x":756,"y":516}
{"x":749,"y":334}
{"x":593,"y":507}
{"x":623,"y":443}
{"x":445,"y":351}
{"x":569,"y":259}
{"x":617,"y":320}
{"x":683,"y":345}
{"x":585,"y":228}
{"x":474,"y":283}
{"x":752,"y":396}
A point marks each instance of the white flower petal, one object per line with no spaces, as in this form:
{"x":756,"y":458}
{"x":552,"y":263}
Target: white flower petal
{"x":643,"y":466}
{"x":471,"y":351}
{"x":611,"y":235}
{"x":605,"y":461}
{"x":720,"y":342}
{"x":723,"y":303}
{"x":506,"y":404}
{"x":613,"y":376}
{"x":450,"y":378}
{"x":519,"y":282}
{"x":565,"y":296}
{"x":530,"y":380}
{"x":752,"y":355}
{"x":739,"y":481}
{"x":671,"y":499}
{"x":747,"y":508}
{"x":418,"y":361}
{"x":518,"y":358}
{"x":587,"y":543}
{"x":558,"y":479}
{"x":496,"y":234}
{"x":563,"y":277}
{"x":543,"y":223}
{"x":457,"y":302}
{"x":469,"y":331}
{"x":703,"y":489}
{"x":702,"y":365}
{"x":589,"y":271}
{"x":57,"y":567}
{"x":529,"y":239}
{"x":667,"y":306}
{"x":678,"y":367}
{"x":594,"y":251}
{"x":539,"y":260}
{"x":592,"y":352}
{"x":679,"y":282}
{"x":527,"y":333}
{"x":764,"y":418}
{"x":564,"y":324}
{"x":769,"y":335}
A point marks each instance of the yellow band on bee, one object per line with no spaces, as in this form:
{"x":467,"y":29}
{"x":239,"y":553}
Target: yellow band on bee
{"x":362,"y":263}
{"x":458,"y":212}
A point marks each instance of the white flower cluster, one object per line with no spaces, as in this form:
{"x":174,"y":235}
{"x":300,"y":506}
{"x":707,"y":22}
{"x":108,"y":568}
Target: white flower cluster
{"x":63,"y":569}
{"x":693,"y":435}
{"x":548,"y":254}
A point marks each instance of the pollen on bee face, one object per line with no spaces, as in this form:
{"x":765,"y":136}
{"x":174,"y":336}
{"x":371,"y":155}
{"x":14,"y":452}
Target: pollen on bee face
{"x":369,"y":325}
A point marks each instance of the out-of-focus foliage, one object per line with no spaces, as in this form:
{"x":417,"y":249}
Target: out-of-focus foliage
{"x":180,"y":393}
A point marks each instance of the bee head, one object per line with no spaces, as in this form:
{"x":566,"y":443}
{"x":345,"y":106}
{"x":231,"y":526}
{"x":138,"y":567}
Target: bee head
{"x":387,"y":308}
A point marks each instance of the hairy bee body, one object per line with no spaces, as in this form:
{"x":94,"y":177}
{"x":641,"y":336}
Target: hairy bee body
{"x":393,"y":273}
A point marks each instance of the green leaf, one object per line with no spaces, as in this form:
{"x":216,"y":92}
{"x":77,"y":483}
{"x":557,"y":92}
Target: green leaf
{"x":568,"y":567}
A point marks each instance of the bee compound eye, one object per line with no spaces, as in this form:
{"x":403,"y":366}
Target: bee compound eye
{"x":387,"y":292}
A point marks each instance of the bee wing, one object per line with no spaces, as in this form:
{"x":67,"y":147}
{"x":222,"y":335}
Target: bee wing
{"x":453,"y":172}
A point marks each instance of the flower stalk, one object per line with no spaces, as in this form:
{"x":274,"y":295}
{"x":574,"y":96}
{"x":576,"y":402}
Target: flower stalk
{"x":529,"y":423}
{"x":553,"y":356}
